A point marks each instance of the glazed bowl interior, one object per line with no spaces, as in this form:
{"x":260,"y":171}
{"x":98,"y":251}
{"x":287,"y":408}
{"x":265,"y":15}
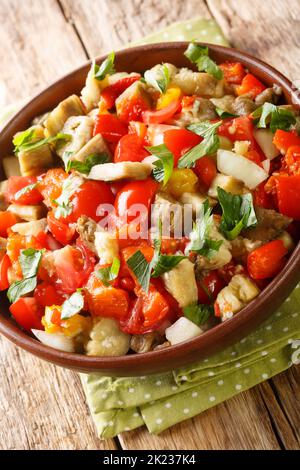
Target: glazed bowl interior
{"x":139,"y":59}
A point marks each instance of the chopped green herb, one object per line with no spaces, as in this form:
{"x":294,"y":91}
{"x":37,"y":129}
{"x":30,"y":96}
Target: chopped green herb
{"x":28,"y":145}
{"x":165,"y":163}
{"x":90,"y":161}
{"x":141,"y":269}
{"x":63,"y":202}
{"x":208,"y":146}
{"x":29,"y":261}
{"x":106,"y":68}
{"x":73,"y":305}
{"x":278,"y":118}
{"x":159,"y":78}
{"x":199,"y":55}
{"x":23,"y":138}
{"x":238,"y":213}
{"x":25,"y":190}
{"x":224,"y":114}
{"x":200,"y":241}
{"x":109,"y":273}
{"x":198,"y":313}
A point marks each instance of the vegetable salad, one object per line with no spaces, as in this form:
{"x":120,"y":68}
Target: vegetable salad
{"x":149,"y":208}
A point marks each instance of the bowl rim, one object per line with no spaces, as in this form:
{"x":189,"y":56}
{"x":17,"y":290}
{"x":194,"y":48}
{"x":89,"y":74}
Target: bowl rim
{"x":289,"y":276}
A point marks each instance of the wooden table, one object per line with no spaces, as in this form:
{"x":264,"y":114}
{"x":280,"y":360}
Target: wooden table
{"x":43,"y":406}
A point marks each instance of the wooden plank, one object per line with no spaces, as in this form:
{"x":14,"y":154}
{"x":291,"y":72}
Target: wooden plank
{"x":104,"y":25}
{"x":42,"y":406}
{"x":240,"y":423}
{"x":268,"y":29}
{"x":37,"y":47}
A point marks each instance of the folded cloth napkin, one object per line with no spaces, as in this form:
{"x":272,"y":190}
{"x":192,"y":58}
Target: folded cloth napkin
{"x":160,"y":401}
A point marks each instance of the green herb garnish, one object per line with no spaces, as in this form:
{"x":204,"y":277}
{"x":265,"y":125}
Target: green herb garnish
{"x":238,"y":213}
{"x":278,"y":118}
{"x":208,"y":146}
{"x":199,"y":55}
{"x":90,"y":161}
{"x":164,"y":165}
{"x":106,"y":68}
{"x":63,"y":202}
{"x":109,"y":273}
{"x":158,"y":78}
{"x":73,"y":305}
{"x":198,"y":313}
{"x":29,"y":261}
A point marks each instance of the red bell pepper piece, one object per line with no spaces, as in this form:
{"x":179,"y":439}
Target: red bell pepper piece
{"x":162,"y":115}
{"x":180,"y":141}
{"x":7,"y":220}
{"x":267,"y":260}
{"x":130,"y":149}
{"x":234,"y":72}
{"x":112,"y":92}
{"x":110,"y":127}
{"x":27,"y":312}
{"x":283,"y":140}
{"x":4,"y":266}
{"x":251,"y":85}
{"x":288,"y":195}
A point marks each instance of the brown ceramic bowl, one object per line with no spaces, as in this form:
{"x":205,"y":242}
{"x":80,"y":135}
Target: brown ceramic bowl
{"x":139,"y":59}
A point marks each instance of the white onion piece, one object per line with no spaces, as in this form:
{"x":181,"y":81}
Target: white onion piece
{"x":55,"y":340}
{"x":266,"y":165}
{"x":155,"y":133}
{"x":241,"y":168}
{"x":264,"y":138}
{"x":182,"y":330}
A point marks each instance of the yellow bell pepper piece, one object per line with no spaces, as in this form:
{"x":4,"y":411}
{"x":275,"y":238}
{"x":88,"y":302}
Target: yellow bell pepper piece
{"x":70,"y":327}
{"x":173,"y":93}
{"x":183,"y":180}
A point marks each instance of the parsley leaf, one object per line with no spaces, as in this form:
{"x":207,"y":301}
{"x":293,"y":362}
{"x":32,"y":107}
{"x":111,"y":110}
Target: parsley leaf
{"x":23,"y":138}
{"x":141,"y":269}
{"x":224,"y":114}
{"x":109,"y":273}
{"x":199,"y":55}
{"x":158,"y":78}
{"x":63,"y":203}
{"x":208,"y":146}
{"x":90,"y":161}
{"x":238,"y":213}
{"x":200,"y":241}
{"x":74,"y":304}
{"x":29,"y":260}
{"x":106,"y":68}
{"x":278,"y":118}
{"x":27,"y":144}
{"x":158,"y":265}
{"x":198,"y":313}
{"x":165,"y":163}
{"x":25,"y":190}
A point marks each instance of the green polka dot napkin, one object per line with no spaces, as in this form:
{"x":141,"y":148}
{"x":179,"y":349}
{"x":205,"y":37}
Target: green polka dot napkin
{"x":160,"y":401}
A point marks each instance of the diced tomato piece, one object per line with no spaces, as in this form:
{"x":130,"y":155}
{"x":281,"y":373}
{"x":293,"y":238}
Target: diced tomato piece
{"x":209,"y":287}
{"x":47,"y":295}
{"x":288,"y":195}
{"x":106,"y":301}
{"x":138,"y":128}
{"x":229,"y":270}
{"x":110,"y":127}
{"x":27,"y":312}
{"x":170,"y":246}
{"x":88,"y":200}
{"x":50,"y":185}
{"x":61,"y":231}
{"x":135,"y":192}
{"x":127,"y":283}
{"x":146,"y":313}
{"x":74,"y":266}
{"x":291,"y":161}
{"x":251,"y":85}
{"x":112,"y":92}
{"x":4,"y":266}
{"x":162,"y":115}
{"x":130,"y":149}
{"x":133,"y":103}
{"x":16,"y":183}
{"x":267,"y":260}
{"x":240,"y":128}
{"x":283,"y":140}
{"x":7,"y":220}
{"x":175,"y":311}
{"x":206,"y":170}
{"x":234,"y":72}
{"x":188,"y":101}
{"x":262,"y":198}
{"x":254,"y":156}
{"x":180,"y":141}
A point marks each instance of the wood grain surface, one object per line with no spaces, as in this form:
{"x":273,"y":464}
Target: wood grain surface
{"x":43,"y":406}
